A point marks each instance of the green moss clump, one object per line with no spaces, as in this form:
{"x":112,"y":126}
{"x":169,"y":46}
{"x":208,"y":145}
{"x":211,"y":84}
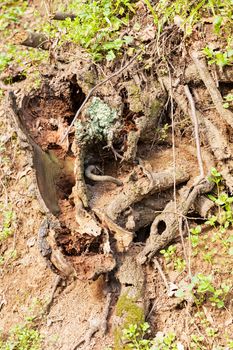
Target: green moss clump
{"x":130,"y":313}
{"x":101,"y":119}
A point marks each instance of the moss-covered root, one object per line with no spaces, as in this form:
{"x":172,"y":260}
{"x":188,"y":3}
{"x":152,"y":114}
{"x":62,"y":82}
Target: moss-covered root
{"x":128,"y":311}
{"x":130,"y":305}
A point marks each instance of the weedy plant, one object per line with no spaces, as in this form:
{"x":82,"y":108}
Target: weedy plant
{"x":6,"y":224}
{"x":224,"y":203}
{"x":228,"y":101}
{"x":95,"y":27}
{"x":186,"y":15}
{"x":136,"y":337}
{"x":21,"y":338}
{"x":179,"y":264}
{"x":201,"y":288}
{"x":11,"y":13}
{"x":221,"y":58}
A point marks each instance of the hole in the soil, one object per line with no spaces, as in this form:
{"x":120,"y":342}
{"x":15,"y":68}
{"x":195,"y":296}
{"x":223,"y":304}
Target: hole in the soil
{"x":142,"y":234}
{"x":77,"y":98}
{"x":128,"y":285}
{"x":15,"y":79}
{"x":53,"y":145}
{"x":161,"y":227}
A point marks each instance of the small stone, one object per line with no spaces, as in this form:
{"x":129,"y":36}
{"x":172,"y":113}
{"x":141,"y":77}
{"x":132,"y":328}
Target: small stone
{"x":31,"y":242}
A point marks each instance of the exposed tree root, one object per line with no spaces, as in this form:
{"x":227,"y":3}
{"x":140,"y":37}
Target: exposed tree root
{"x":134,"y":191}
{"x":165,"y":227}
{"x":204,"y":73}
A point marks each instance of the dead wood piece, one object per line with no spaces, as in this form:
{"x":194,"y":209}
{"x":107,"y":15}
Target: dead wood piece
{"x":80,"y":189}
{"x":86,"y":223}
{"x":165,"y":227}
{"x":132,"y":141}
{"x":36,"y":40}
{"x":143,"y":213}
{"x":46,"y":170}
{"x":134,"y":191}
{"x":57,"y":258}
{"x":61,"y":16}
{"x":132,"y":279}
{"x":204,"y":206}
{"x":207,"y":79}
{"x":216,"y":138}
{"x":96,"y":87}
{"x":89,"y":267}
{"x":122,"y":236}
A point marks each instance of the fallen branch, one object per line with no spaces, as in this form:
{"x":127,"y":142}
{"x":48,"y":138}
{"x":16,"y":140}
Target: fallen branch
{"x":191,"y":74}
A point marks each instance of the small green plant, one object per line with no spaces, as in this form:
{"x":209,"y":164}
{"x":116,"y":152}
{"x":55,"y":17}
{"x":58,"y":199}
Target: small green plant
{"x":166,"y":342}
{"x":188,"y":14}
{"x":22,"y":338}
{"x":134,"y":338}
{"x":194,"y":235}
{"x":215,"y":177}
{"x":228,"y":101}
{"x":23,"y":59}
{"x":8,"y":256}
{"x":201,"y":288}
{"x":208,"y":256}
{"x":197,"y":342}
{"x":168,"y":253}
{"x":163,"y":132}
{"x":6,"y":224}
{"x":221,"y":58}
{"x":179,"y":264}
{"x":96,"y":26}
{"x":134,"y":335}
{"x":224,"y":203}
{"x":225,"y":216}
{"x":11,"y":12}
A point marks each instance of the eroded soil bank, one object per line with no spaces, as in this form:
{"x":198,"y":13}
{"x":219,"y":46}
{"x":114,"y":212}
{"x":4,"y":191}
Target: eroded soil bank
{"x":95,"y":199}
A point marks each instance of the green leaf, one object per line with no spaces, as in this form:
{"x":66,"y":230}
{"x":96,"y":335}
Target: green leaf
{"x":217,"y":22}
{"x":228,"y":97}
{"x":180,"y":293}
{"x":128,"y":39}
{"x":110,"y":55}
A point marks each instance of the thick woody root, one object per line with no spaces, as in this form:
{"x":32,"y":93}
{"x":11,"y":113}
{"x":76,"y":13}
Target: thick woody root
{"x":217,"y":135}
{"x":135,"y":191}
{"x":165,"y":227}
